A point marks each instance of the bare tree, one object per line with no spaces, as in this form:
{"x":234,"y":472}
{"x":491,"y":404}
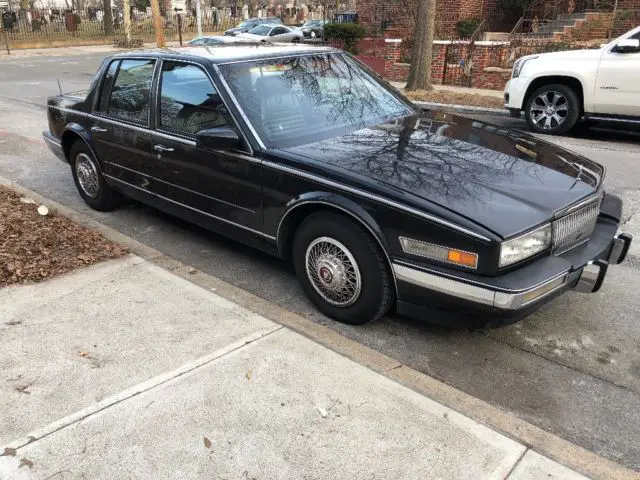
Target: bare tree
{"x":422,"y":51}
{"x":108,"y":17}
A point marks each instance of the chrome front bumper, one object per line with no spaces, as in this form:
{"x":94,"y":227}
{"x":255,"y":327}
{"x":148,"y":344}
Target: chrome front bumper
{"x":587,"y":279}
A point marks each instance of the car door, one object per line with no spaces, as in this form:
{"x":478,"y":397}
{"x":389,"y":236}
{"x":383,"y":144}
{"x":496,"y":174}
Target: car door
{"x":617,"y":89}
{"x":219,"y":183}
{"x":280,"y":34}
{"x":120,"y":124}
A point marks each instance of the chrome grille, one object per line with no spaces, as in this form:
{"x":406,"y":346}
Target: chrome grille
{"x":575,"y":228}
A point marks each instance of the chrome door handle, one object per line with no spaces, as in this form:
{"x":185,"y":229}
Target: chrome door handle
{"x":98,"y":129}
{"x":162,"y":148}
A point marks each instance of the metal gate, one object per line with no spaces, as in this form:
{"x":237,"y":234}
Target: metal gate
{"x":457,"y":64}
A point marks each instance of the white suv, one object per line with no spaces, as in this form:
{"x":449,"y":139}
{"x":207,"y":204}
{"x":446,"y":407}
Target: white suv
{"x":556,"y":89}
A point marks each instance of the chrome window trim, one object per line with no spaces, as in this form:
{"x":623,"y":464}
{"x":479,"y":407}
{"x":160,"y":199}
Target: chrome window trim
{"x":473,"y":293}
{"x":376,"y":198}
{"x":224,"y":220}
{"x":213,"y":84}
{"x":237,"y":105}
{"x":278,"y":57}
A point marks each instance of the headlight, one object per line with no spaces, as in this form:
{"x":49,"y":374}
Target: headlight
{"x":519,"y":65}
{"x":525,"y":246}
{"x":438,"y":252}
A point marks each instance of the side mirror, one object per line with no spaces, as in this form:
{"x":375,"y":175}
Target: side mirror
{"x":221,"y":138}
{"x":628,"y":45}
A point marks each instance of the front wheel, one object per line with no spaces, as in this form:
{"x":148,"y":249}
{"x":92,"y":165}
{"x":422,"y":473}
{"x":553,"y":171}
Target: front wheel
{"x":552,"y":109}
{"x":341,"y":269}
{"x":296,"y":40}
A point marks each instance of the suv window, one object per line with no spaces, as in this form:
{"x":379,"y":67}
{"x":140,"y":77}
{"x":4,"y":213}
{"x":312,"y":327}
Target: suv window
{"x":129,"y":98}
{"x":188,"y":101}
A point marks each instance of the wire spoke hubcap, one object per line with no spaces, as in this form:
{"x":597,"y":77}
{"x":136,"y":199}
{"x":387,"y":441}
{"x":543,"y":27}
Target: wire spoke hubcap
{"x":549,"y":110}
{"x":333,"y":272}
{"x":87,"y":173}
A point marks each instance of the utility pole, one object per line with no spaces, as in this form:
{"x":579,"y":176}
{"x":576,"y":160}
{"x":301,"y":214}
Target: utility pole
{"x":199,"y":18}
{"x":127,"y":21}
{"x":157,"y":23}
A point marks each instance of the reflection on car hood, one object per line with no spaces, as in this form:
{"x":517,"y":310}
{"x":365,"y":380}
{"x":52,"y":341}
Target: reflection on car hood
{"x":504,"y":180}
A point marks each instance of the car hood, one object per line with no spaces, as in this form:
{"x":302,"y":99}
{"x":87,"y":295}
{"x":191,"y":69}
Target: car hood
{"x":234,"y":31}
{"x":585,"y":54}
{"x":504,"y":180}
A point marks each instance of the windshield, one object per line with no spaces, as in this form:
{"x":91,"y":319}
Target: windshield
{"x":247,"y":24}
{"x":261,"y":30}
{"x":306,"y":99}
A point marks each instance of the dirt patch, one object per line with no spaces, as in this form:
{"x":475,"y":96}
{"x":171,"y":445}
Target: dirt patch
{"x":455,"y":98}
{"x":35,"y":247}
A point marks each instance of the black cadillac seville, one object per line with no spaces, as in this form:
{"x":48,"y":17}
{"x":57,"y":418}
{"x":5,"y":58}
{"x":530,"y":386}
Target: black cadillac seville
{"x":303,"y":153}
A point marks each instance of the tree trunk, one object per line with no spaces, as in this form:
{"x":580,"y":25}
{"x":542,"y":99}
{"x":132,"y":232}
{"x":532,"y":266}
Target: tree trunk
{"x":127,"y":21}
{"x":422,"y":51}
{"x":108,"y":17}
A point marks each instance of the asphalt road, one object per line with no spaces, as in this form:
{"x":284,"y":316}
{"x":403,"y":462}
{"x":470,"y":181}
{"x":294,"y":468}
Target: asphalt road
{"x":573,"y":368}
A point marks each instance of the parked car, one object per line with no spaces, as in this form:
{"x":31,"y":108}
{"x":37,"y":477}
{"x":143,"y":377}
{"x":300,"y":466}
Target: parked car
{"x":273,"y":33}
{"x":300,"y":152}
{"x":313,"y":29}
{"x":251,"y":23}
{"x":213,"y":41}
{"x":555,"y":90}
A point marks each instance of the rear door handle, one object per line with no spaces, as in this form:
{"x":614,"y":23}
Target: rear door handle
{"x":98,"y":129}
{"x":162,"y":148}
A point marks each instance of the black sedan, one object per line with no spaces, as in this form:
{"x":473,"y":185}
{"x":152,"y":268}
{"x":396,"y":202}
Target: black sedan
{"x":304,"y":153}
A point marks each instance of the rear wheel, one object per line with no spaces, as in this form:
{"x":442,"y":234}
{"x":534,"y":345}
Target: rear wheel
{"x":89,"y":180}
{"x":553,"y":109}
{"x":342,"y":269}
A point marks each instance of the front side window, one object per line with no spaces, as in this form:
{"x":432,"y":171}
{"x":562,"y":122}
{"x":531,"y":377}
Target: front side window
{"x":189,"y":102}
{"x":130,"y":94}
{"x":305,"y":99}
{"x":262,"y":30}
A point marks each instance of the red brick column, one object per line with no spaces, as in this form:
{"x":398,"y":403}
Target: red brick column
{"x":392,"y":53}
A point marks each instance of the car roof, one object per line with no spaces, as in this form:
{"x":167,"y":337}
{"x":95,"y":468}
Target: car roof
{"x":231,"y":53}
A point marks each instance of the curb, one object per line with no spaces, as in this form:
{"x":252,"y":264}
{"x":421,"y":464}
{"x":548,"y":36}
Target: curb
{"x":463,"y":108}
{"x":535,"y":438}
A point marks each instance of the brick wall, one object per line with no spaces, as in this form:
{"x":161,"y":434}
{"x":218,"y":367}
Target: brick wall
{"x":487,"y":61}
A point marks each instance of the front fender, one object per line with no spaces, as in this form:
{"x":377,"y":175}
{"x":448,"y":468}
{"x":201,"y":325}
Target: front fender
{"x":298,"y":208}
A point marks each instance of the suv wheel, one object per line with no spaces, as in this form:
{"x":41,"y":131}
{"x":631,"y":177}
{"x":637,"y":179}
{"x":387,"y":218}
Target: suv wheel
{"x":342,"y":269}
{"x":552,"y":109}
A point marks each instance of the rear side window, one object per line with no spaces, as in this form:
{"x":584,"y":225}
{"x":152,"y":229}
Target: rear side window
{"x":189,"y":102}
{"x":107,"y":85}
{"x":130,"y":93}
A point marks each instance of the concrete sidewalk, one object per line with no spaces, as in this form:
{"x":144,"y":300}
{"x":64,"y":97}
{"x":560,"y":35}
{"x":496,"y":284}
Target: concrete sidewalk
{"x":125,"y":370}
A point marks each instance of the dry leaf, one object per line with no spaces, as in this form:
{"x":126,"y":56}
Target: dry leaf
{"x":192,"y":271}
{"x":84,"y":354}
{"x":207,"y":443}
{"x":249,"y":374}
{"x":9,"y":452}
{"x":24,"y":462}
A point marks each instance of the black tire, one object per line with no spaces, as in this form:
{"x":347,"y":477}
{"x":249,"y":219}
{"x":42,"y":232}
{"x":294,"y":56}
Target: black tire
{"x":571,"y":101}
{"x":105,"y":198}
{"x":376,"y":294}
{"x":296,"y":40}
{"x":515,"y":112}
